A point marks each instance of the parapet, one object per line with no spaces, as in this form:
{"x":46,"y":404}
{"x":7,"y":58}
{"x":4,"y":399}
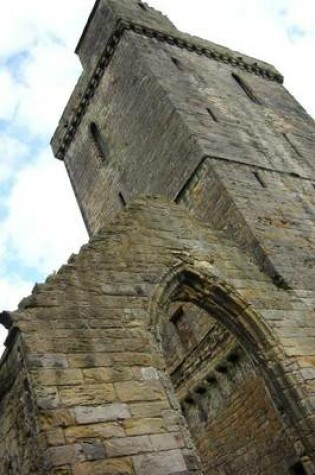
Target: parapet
{"x":103,"y":20}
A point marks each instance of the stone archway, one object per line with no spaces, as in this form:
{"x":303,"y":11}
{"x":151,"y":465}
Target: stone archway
{"x":201,"y":286}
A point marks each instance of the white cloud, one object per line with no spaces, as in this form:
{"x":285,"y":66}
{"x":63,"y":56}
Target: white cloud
{"x":48,"y":77}
{"x":23,"y":22}
{"x":43,"y":226}
{"x":301,"y":13}
{"x":259,"y":28}
{"x":10,"y":93}
{"x":12,"y":290}
{"x":12,"y":151}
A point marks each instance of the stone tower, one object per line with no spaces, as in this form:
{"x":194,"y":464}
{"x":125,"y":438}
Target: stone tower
{"x":181,"y":339}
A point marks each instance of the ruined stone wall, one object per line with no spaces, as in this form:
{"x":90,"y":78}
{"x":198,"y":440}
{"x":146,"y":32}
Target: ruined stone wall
{"x":19,"y":442}
{"x":94,"y":361}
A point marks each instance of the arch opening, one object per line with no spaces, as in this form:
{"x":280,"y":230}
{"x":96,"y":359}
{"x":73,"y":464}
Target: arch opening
{"x":225,"y":368}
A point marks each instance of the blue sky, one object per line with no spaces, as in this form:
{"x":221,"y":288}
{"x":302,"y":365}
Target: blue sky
{"x":40,"y":222}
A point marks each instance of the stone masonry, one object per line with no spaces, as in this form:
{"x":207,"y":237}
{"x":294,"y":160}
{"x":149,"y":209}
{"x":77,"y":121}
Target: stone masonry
{"x":181,"y":339}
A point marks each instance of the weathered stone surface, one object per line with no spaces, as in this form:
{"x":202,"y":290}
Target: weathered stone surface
{"x":128,"y":446}
{"x":134,"y":390}
{"x":171,"y":462}
{"x":92,"y":414}
{"x":185,"y":327}
{"x":151,"y":425}
{"x":92,"y":431}
{"x":121,"y":466}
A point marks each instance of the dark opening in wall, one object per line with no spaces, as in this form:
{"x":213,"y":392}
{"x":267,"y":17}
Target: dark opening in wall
{"x":245,"y":87}
{"x":259,"y":179}
{"x":297,"y":469}
{"x":177,"y":63}
{"x":99,"y":142}
{"x":122,"y":200}
{"x":210,"y":112}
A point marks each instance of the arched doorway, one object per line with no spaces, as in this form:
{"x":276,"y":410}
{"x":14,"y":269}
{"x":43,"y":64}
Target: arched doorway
{"x":228,"y":372}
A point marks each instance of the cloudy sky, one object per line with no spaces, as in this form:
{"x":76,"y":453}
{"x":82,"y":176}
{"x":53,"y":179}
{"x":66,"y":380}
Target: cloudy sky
{"x":40,"y":222}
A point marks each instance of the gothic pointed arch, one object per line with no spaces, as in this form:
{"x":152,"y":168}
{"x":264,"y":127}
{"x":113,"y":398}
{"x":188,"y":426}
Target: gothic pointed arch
{"x":200,"y":284}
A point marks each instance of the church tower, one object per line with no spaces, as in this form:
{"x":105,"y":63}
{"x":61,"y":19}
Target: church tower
{"x":181,"y":339}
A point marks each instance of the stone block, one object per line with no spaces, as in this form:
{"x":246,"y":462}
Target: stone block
{"x":89,"y":360}
{"x":162,"y":442}
{"x":139,"y":391}
{"x":63,"y":455}
{"x":148,"y":409}
{"x":88,"y":394}
{"x":93,"y":450}
{"x":55,"y":437}
{"x":103,"y":430}
{"x":48,"y":361}
{"x":96,"y":375}
{"x":56,"y":418}
{"x":119,"y":466}
{"x":57,"y":377}
{"x":127,"y":446}
{"x":144,"y":426}
{"x":162,"y":463}
{"x":93,"y":414}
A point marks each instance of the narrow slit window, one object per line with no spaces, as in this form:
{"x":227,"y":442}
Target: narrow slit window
{"x":292,"y":145}
{"x":177,"y":63}
{"x":99,"y":142}
{"x":122,"y":200}
{"x":245,"y":87}
{"x":210,"y":112}
{"x":259,"y":179}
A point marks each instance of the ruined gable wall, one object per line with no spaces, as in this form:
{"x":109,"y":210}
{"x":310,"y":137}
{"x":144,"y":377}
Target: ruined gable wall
{"x":96,"y":369}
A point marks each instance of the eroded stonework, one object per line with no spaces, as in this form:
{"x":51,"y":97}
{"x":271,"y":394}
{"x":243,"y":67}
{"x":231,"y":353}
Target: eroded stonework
{"x":181,"y":339}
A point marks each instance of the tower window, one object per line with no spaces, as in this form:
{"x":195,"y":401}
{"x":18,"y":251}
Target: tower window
{"x":122,"y":200}
{"x":99,"y":142}
{"x":245,"y":87}
{"x":292,"y":145}
{"x":210,"y":112}
{"x":259,"y":179}
{"x":175,"y":61}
